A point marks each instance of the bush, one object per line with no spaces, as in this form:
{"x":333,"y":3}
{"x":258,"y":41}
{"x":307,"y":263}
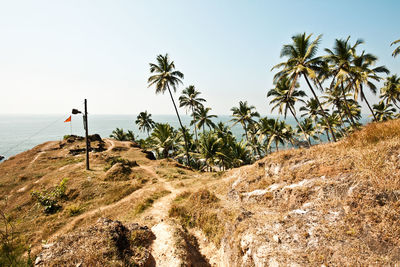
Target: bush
{"x":74,"y":210}
{"x":49,"y":200}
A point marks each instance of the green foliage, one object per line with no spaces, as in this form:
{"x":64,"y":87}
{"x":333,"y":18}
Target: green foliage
{"x":74,"y":210}
{"x":49,"y":200}
{"x":119,"y":135}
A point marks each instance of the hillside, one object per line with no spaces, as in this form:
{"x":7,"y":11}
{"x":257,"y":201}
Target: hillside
{"x":333,"y":205}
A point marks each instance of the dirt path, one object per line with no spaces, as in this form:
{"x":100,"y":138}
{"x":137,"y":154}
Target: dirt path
{"x":42,"y":151}
{"x":111,"y":143}
{"x":164,"y":248}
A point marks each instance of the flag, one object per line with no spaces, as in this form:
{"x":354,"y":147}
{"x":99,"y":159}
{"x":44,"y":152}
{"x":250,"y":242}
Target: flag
{"x":68,"y":119}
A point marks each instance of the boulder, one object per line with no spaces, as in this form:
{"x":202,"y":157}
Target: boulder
{"x":106,"y":243}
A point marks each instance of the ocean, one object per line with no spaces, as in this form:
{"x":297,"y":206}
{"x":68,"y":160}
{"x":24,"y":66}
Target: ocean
{"x":19,"y":133}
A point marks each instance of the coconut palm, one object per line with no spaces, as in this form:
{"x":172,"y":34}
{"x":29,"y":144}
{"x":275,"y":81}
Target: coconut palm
{"x":209,"y":147}
{"x":397,"y":49}
{"x":244,"y":115}
{"x":384,"y":111}
{"x":145,"y":122}
{"x":312,"y":110}
{"x":340,"y":60}
{"x":165,"y":76}
{"x":202,"y":118}
{"x":274,"y":130}
{"x":302,"y":61}
{"x":118,"y":134}
{"x":333,"y":96}
{"x":162,"y":139}
{"x":130,"y":136}
{"x":239,"y":154}
{"x":390,"y":92}
{"x":253,"y":143}
{"x":191,"y":101}
{"x":309,"y":130}
{"x":283,"y":99}
{"x":363,"y":74}
{"x":333,"y":119}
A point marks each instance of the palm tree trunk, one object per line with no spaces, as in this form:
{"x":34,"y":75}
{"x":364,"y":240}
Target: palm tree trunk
{"x":320,"y":106}
{"x":327,"y":134}
{"x":183,"y":129}
{"x":195,"y":127}
{"x":366,"y":101}
{"x":276,"y":145}
{"x":291,"y":142}
{"x":347,"y":108}
{"x":298,"y":123}
{"x":245,"y":131}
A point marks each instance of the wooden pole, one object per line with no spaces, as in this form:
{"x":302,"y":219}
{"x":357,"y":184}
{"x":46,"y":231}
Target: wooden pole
{"x":86,"y":136}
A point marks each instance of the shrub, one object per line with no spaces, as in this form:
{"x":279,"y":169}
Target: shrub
{"x":74,"y":210}
{"x":49,"y":200}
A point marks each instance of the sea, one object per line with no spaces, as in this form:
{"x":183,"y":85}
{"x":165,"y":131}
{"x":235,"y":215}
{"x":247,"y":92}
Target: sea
{"x":19,"y":133}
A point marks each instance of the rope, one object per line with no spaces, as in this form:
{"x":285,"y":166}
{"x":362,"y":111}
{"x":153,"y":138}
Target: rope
{"x":33,"y":135}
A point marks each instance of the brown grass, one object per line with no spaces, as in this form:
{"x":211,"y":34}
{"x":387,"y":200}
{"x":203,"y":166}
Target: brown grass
{"x":200,"y":209}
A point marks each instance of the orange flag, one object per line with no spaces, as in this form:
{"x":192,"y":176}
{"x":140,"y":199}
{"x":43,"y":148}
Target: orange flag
{"x":68,"y":120}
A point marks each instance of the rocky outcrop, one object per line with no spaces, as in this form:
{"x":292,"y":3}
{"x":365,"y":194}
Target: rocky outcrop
{"x":107,"y":243}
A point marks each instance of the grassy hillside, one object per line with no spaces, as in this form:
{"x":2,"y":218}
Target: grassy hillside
{"x":333,"y":204}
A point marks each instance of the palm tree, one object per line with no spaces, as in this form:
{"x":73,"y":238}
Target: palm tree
{"x":309,"y":129}
{"x":118,"y":134}
{"x":209,"y":147}
{"x":130,"y":136}
{"x":145,"y":122}
{"x":285,"y":100}
{"x":311,"y":108}
{"x":239,"y":154}
{"x":274,"y":130}
{"x":162,"y":139}
{"x":244,"y":115}
{"x":202,"y":118}
{"x":390,"y":92}
{"x":301,"y":62}
{"x":384,"y":111}
{"x":334,"y":97}
{"x":190,"y":100}
{"x":397,"y":49}
{"x":333,"y":119}
{"x":341,"y":59}
{"x":363,"y":73}
{"x":165,"y":77}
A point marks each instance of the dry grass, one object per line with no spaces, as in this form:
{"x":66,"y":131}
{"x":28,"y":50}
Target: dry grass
{"x":41,"y":169}
{"x":148,"y":202}
{"x":200,"y":209}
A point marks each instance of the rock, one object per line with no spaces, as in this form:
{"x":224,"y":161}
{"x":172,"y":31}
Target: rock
{"x":94,"y":138}
{"x":107,"y":242}
{"x":149,"y":154}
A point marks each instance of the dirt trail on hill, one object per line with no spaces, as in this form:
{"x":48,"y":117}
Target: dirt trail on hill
{"x":42,"y":151}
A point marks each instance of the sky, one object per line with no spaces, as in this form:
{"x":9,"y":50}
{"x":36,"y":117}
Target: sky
{"x":54,"y":54}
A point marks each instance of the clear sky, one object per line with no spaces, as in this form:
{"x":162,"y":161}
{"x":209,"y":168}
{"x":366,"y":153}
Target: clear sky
{"x":53,"y":54}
